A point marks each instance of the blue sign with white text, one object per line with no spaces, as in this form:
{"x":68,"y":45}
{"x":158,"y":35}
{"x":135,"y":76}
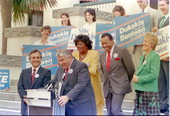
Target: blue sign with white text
{"x":4,"y":79}
{"x":60,"y":35}
{"x":130,"y":30}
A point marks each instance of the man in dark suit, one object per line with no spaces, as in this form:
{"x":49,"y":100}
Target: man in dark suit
{"x":163,"y":79}
{"x":118,"y":69}
{"x":32,"y":78}
{"x":76,"y":92}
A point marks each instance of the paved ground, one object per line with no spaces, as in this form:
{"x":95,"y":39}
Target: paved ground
{"x":9,"y":112}
{"x":17,"y":112}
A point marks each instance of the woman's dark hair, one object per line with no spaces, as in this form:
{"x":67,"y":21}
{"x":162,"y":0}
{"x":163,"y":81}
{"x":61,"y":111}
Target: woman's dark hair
{"x":65,"y":14}
{"x":46,"y":27}
{"x":120,"y":9}
{"x":85,"y":39}
{"x":92,"y":12}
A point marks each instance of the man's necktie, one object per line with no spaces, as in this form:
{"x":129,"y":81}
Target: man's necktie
{"x":66,"y":71}
{"x":33,"y":76}
{"x":108,"y":61}
{"x":162,"y":22}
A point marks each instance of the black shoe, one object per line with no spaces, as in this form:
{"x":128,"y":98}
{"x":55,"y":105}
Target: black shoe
{"x":164,"y":110}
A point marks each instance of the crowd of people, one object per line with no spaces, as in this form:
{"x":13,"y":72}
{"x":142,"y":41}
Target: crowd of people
{"x":79,"y":72}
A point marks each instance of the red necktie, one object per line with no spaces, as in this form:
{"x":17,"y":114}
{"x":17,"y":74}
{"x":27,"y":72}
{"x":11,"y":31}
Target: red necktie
{"x":108,"y":61}
{"x":33,"y":75}
{"x":66,"y":71}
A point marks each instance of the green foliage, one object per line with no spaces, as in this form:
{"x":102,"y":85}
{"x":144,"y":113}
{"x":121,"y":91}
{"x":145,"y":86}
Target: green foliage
{"x":19,"y":7}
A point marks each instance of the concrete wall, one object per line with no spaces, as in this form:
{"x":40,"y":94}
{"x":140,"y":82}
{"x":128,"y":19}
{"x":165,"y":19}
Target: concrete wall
{"x":77,"y":16}
{"x":12,"y":63}
{"x":0,"y":32}
{"x":19,"y":36}
{"x":48,"y":13}
{"x":78,"y":21}
{"x":14,"y":71}
{"x":15,"y":44}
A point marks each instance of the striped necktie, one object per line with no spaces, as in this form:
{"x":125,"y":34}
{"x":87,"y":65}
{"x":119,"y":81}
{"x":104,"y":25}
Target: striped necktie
{"x":162,"y":22}
{"x":33,"y":76}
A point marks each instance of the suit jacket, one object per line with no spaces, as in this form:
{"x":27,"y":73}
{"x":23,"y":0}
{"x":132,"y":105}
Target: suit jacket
{"x":78,"y":88}
{"x":147,"y":72}
{"x":154,"y":15}
{"x":166,"y":23}
{"x":118,"y":79}
{"x":25,"y":80}
{"x":25,"y":83}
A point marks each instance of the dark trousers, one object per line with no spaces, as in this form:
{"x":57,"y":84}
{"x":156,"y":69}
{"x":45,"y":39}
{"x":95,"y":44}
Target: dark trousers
{"x":164,"y":85}
{"x":24,"y":108}
{"x":114,"y":103}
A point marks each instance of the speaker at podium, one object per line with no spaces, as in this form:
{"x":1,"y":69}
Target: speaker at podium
{"x":43,"y":102}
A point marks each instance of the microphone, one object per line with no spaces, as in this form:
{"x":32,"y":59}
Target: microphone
{"x":50,"y":84}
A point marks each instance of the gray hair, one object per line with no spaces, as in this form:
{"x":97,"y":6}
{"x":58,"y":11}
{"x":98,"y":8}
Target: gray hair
{"x":64,"y":52}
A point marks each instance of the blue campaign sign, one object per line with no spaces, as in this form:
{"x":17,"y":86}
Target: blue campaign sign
{"x":4,"y":79}
{"x":60,"y":34}
{"x":100,"y":29}
{"x":49,"y":60}
{"x":130,"y":29}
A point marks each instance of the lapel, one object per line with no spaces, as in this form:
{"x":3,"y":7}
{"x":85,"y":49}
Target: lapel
{"x":69,"y":75}
{"x":115,"y":50}
{"x":103,"y":58}
{"x":166,"y":22}
{"x":29,"y":76}
{"x":141,"y":66}
{"x":35,"y":79}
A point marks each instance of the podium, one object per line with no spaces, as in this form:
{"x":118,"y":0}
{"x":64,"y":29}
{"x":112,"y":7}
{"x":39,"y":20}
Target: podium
{"x":39,"y":102}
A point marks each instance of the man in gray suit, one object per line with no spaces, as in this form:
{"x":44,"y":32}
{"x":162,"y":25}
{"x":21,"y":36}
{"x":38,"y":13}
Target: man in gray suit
{"x":32,"y":78}
{"x":136,"y":51}
{"x":76,"y":92}
{"x":154,"y":14}
{"x":118,"y":69}
{"x":164,"y":67}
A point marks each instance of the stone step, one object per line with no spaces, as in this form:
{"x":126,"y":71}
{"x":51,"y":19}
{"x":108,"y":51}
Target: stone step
{"x":13,"y":82}
{"x":128,"y":105}
{"x":9,"y":96}
{"x":12,"y":89}
{"x":15,"y":105}
{"x":130,"y":96}
{"x":7,"y":112}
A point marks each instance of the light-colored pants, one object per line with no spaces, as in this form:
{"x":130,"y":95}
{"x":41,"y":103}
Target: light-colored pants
{"x":58,"y":110}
